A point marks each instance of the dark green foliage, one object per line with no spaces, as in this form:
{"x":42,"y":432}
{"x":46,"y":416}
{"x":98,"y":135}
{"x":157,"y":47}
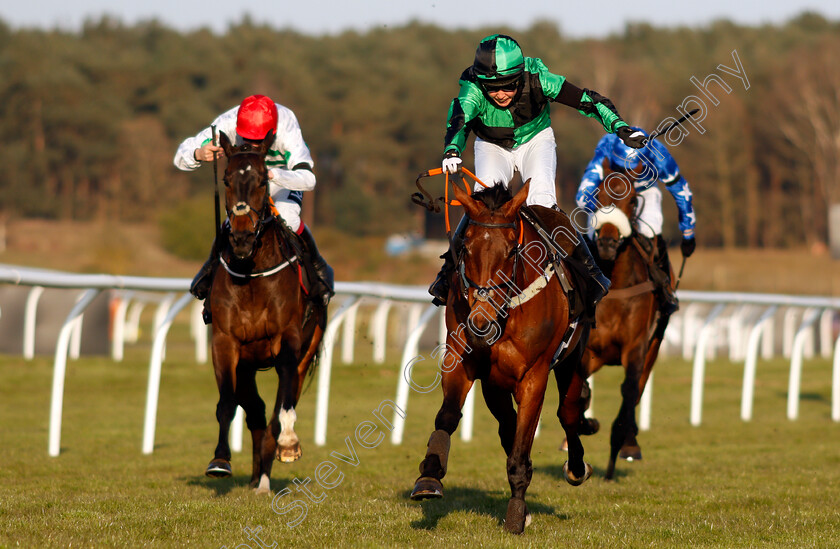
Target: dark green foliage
{"x":90,"y":120}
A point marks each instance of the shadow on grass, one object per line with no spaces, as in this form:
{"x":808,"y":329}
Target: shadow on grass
{"x":479,"y":502}
{"x":223,"y":486}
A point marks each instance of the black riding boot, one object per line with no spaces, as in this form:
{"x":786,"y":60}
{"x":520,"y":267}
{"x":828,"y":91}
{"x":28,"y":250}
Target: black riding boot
{"x":324,"y":278}
{"x":203,"y":281}
{"x":661,"y":275}
{"x":439,"y":290}
{"x":598,"y":285}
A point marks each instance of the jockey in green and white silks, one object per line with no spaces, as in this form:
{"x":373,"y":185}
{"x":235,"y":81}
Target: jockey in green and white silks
{"x":504,"y":99}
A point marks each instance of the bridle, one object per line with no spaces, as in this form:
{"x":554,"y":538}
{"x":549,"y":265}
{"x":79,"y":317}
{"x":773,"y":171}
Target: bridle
{"x":259,"y":219}
{"x":486,"y":293}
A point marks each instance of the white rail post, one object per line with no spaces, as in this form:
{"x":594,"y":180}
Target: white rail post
{"x":761,"y":327}
{"x":155,"y":365}
{"x":118,"y":334}
{"x":835,"y":383}
{"x":160,"y":317}
{"x":325,"y":369}
{"x":410,"y":350}
{"x":797,"y":350}
{"x":348,"y":336}
{"x":645,"y":405}
{"x":60,"y":369}
{"x":736,"y":331}
{"x":826,"y":320}
{"x":132,"y":331}
{"x":199,"y":330}
{"x":690,"y":320}
{"x":29,"y":323}
{"x":789,"y":330}
{"x":699,"y":371}
{"x":379,"y":330}
{"x":76,"y":338}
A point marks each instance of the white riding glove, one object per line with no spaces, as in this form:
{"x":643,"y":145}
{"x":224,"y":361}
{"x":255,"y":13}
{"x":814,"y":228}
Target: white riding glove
{"x":451,"y":164}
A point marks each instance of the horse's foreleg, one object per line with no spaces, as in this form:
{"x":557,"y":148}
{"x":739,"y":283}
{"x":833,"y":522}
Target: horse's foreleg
{"x":249,"y":399}
{"x":529,"y":396}
{"x":225,"y":360}
{"x":456,"y":385}
{"x":624,"y":429}
{"x":500,"y":404}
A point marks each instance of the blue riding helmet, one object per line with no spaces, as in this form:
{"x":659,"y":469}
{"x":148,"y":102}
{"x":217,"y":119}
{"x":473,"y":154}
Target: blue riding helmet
{"x":624,"y":157}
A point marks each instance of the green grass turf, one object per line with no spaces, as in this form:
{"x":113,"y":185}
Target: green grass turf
{"x":767,"y":483}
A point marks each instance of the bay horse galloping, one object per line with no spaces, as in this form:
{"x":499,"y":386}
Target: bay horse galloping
{"x":629,"y":322}
{"x":507,"y":314}
{"x":261,"y":317}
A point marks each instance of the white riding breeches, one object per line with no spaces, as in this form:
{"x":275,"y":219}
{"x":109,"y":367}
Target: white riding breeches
{"x":288,"y":209}
{"x":649,"y":212}
{"x":535,"y":160}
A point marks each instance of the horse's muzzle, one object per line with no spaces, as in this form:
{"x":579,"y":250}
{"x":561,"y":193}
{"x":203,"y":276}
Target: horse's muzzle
{"x":607,"y":248}
{"x":242,"y":243}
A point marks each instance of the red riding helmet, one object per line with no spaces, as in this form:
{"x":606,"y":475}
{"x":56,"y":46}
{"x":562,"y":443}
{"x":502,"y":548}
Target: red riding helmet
{"x":257,"y":116}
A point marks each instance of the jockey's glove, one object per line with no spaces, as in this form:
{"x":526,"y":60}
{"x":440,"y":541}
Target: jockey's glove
{"x":687,"y":246}
{"x":451,"y":162}
{"x":630,"y":137}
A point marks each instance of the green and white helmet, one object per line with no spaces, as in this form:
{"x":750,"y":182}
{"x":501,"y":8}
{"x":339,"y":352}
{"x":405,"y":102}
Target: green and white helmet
{"x":498,"y":60}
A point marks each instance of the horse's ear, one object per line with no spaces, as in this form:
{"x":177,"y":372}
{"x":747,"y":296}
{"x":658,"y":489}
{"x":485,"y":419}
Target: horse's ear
{"x":267,"y":141}
{"x":471,"y":206}
{"x":513,"y":205}
{"x":605,"y":164}
{"x":224,"y":141}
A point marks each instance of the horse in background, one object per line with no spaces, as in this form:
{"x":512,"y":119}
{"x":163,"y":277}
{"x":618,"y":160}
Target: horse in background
{"x":261,"y":317}
{"x":506,"y":316}
{"x":629,"y":325}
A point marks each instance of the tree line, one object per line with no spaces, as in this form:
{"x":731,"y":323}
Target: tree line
{"x":91,"y":119}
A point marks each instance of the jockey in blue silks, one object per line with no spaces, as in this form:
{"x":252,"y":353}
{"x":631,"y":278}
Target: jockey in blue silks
{"x":658,"y":165}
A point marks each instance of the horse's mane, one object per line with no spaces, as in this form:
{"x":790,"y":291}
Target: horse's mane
{"x":493,"y":197}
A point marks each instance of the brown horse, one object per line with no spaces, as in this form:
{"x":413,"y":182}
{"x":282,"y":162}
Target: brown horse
{"x":629,"y":325}
{"x":506,"y":316}
{"x":261,"y":317}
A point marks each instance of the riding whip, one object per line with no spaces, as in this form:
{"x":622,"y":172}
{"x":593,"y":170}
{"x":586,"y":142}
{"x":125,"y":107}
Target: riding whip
{"x":216,"y":186}
{"x":679,"y":276}
{"x":682,"y":119}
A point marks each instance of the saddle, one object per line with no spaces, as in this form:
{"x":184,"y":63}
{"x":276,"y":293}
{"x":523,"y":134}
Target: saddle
{"x":558,"y":236}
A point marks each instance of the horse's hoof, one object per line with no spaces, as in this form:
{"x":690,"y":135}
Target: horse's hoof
{"x":517,"y":516}
{"x":630,"y":453}
{"x":219,"y":468}
{"x":572,"y":479}
{"x":589,"y":426}
{"x":288,"y":455}
{"x":427,"y":488}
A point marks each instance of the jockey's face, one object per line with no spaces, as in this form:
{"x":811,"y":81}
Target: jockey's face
{"x":502,"y":98}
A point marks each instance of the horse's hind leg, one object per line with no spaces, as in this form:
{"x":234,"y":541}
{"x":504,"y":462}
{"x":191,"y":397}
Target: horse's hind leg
{"x":570,"y":413}
{"x":456,"y":385}
{"x":288,"y":443}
